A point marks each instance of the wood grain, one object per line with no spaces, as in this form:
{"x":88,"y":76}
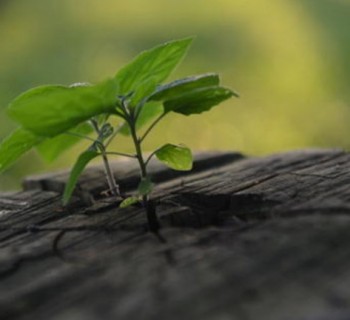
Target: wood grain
{"x":247,"y":238}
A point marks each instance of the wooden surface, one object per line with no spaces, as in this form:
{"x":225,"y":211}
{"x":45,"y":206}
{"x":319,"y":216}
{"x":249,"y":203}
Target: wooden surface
{"x":247,"y":238}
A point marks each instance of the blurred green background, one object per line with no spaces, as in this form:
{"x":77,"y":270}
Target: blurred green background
{"x":289,"y":59}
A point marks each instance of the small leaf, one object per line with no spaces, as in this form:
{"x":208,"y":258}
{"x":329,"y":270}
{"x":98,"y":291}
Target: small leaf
{"x":179,"y":87}
{"x":198,"y":100}
{"x":128,"y":202}
{"x":177,"y":157}
{"x":156,"y":63}
{"x":15,"y":145}
{"x":52,"y":148}
{"x":148,"y":112}
{"x":51,"y":110}
{"x":145,"y":186}
{"x":78,"y":168}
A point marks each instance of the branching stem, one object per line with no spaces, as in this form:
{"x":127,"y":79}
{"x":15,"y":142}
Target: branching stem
{"x":152,"y":126}
{"x":121,"y":154}
{"x":78,"y":135}
{"x":148,"y":205}
{"x":116,"y":131}
{"x":150,"y":156}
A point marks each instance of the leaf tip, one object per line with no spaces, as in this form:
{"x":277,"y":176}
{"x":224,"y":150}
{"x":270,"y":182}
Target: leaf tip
{"x":128,"y":202}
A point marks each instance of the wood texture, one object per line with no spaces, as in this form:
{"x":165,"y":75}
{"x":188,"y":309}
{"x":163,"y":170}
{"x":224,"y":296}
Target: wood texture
{"x":247,"y":238}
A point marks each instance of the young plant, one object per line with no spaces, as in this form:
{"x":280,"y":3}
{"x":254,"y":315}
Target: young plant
{"x":52,"y":118}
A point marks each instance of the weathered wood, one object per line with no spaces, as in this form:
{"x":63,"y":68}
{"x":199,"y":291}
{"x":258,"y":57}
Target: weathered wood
{"x":247,"y":238}
{"x":93,"y":182}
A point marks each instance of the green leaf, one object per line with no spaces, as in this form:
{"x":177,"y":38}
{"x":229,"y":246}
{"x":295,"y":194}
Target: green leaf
{"x":145,"y":186}
{"x":52,"y":148}
{"x":148,"y":112}
{"x":198,"y":100}
{"x":144,"y":90}
{"x":156,"y":63}
{"x":15,"y":145}
{"x":177,"y":157}
{"x":78,"y":168}
{"x":129,"y":201}
{"x":177,"y":88}
{"x":51,"y":110}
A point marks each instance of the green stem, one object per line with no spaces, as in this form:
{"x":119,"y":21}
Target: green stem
{"x":121,"y":154}
{"x":78,"y":135}
{"x":116,"y":131}
{"x":113,"y":187}
{"x":137,"y":144}
{"x":151,"y":127}
{"x":153,"y":223}
{"x":150,"y":157}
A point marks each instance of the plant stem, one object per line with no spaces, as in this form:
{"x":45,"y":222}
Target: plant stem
{"x":121,"y":154}
{"x":78,"y":135}
{"x":111,"y":138}
{"x":152,"y":126}
{"x":149,"y":206}
{"x":113,"y":187}
{"x":150,"y":156}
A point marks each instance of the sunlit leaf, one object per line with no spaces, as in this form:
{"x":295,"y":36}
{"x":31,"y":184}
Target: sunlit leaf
{"x":144,"y":90}
{"x":51,"y":110}
{"x":78,"y":168}
{"x":179,"y":87}
{"x":156,"y":63}
{"x":129,"y":201}
{"x":198,"y":100}
{"x":145,"y":186}
{"x":16,"y":144}
{"x":52,"y":148}
{"x":177,"y":157}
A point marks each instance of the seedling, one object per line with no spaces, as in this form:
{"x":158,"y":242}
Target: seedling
{"x":54,"y":117}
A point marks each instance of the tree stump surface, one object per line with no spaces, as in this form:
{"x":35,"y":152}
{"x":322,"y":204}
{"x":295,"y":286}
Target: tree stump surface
{"x":247,"y":238}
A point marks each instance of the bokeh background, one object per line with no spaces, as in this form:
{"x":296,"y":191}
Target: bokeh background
{"x":289,"y":60}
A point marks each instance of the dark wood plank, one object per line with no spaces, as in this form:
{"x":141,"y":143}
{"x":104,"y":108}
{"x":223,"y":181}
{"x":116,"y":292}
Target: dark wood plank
{"x":248,"y":238}
{"x":126,"y":172}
